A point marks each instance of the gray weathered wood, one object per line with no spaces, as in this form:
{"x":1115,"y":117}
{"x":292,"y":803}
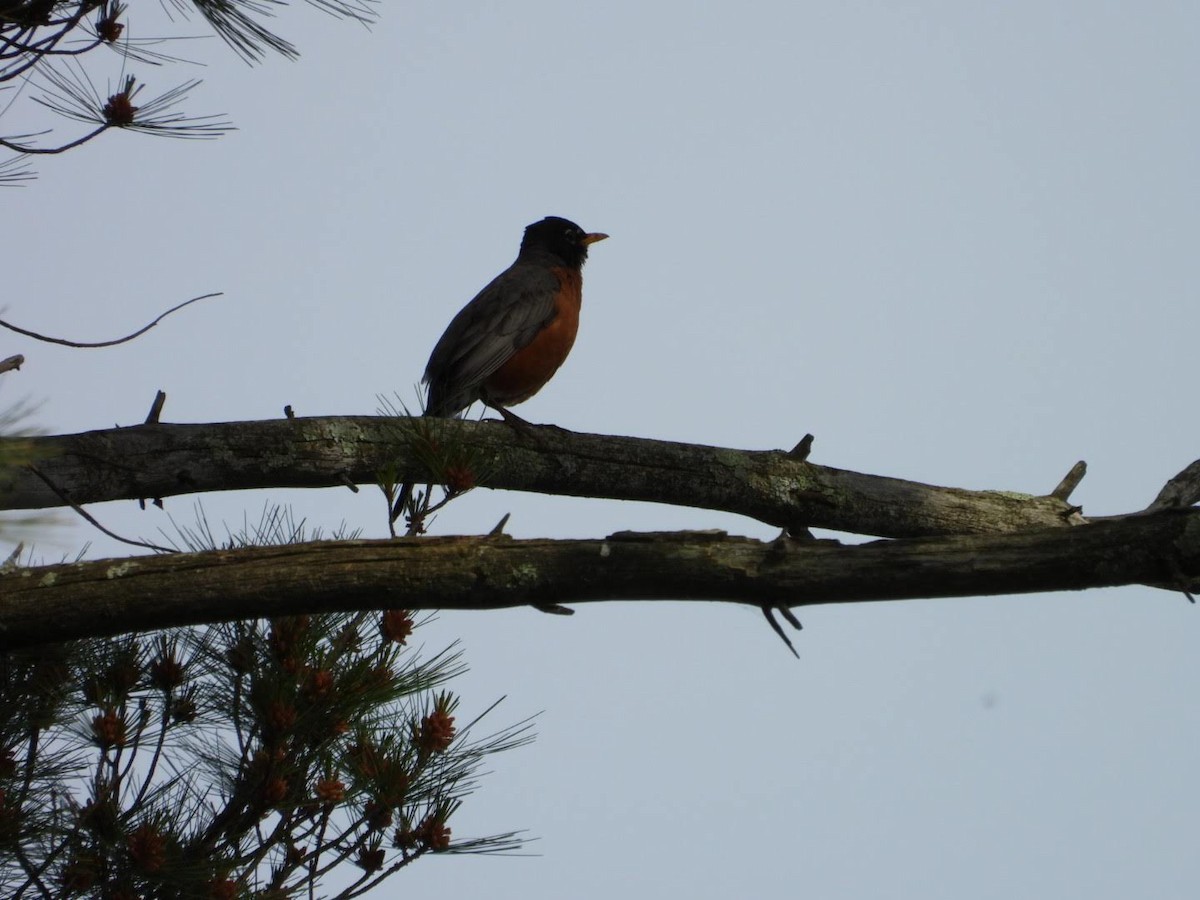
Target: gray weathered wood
{"x":160,"y":460}
{"x":53,"y":603}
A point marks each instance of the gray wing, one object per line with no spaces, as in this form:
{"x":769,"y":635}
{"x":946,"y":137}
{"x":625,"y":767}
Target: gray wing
{"x":504,"y":317}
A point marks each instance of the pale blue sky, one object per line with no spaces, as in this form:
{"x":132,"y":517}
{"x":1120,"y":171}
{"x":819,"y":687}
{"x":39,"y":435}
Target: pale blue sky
{"x":955,"y":241}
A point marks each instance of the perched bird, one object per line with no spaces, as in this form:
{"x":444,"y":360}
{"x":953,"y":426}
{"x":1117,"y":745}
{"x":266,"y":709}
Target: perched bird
{"x":505,"y":344}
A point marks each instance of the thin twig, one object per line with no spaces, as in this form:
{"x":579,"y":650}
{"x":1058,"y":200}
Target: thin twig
{"x":89,"y":518}
{"x":1181,"y":579}
{"x":13,"y":558}
{"x":554,"y":609}
{"x":20,"y":148}
{"x":156,"y":408}
{"x":801,"y":450}
{"x":1070,"y":481}
{"x":769,"y":614}
{"x":67,"y":343}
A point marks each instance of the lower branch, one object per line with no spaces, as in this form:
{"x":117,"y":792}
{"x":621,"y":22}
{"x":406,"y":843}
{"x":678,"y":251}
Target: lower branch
{"x":61,"y":602}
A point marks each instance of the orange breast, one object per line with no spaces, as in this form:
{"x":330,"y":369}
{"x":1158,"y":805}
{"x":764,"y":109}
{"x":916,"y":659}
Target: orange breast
{"x":527,"y":370}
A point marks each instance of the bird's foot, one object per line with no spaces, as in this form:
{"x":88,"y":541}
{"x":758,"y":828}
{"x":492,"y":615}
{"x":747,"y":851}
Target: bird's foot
{"x":513,"y":420}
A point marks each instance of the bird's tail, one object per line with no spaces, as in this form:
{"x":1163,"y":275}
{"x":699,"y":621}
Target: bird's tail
{"x":441,"y":405}
{"x":409,"y":519}
{"x":400,"y":507}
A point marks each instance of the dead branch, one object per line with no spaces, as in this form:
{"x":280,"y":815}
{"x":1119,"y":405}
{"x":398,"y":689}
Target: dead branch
{"x":91,"y":520}
{"x":1181,"y":491}
{"x":129,"y":337}
{"x":153,"y":461}
{"x":55,"y":603}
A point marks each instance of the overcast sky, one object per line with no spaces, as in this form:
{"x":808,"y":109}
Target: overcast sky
{"x":955,"y":241}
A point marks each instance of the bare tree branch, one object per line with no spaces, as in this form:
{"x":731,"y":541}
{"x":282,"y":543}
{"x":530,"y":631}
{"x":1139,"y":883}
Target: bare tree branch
{"x":1182,"y":490}
{"x":154,"y":461}
{"x":61,"y":148}
{"x":55,"y":603}
{"x":129,"y":337}
{"x":90,"y":519}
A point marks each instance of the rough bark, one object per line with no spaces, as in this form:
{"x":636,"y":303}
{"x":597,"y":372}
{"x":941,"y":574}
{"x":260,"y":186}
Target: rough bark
{"x":158,"y":460}
{"x":54,"y":603}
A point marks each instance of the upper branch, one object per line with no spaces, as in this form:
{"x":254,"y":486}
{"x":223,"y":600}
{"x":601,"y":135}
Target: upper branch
{"x":158,"y":460}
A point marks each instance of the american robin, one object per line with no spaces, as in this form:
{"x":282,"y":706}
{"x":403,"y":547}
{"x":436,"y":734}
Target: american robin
{"x":509,"y":341}
{"x":505,"y":344}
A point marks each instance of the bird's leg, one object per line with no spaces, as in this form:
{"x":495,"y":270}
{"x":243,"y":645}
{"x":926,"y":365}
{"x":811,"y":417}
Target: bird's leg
{"x":525,"y":431}
{"x":512,"y":419}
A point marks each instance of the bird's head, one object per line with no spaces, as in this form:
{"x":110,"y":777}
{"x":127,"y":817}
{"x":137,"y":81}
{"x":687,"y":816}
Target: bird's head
{"x":560,"y":238}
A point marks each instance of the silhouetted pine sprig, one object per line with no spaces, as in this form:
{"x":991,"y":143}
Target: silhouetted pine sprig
{"x":38,"y":38}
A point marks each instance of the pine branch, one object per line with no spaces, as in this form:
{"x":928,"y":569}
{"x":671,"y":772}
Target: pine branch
{"x":56,"y":603}
{"x":156,"y":461}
